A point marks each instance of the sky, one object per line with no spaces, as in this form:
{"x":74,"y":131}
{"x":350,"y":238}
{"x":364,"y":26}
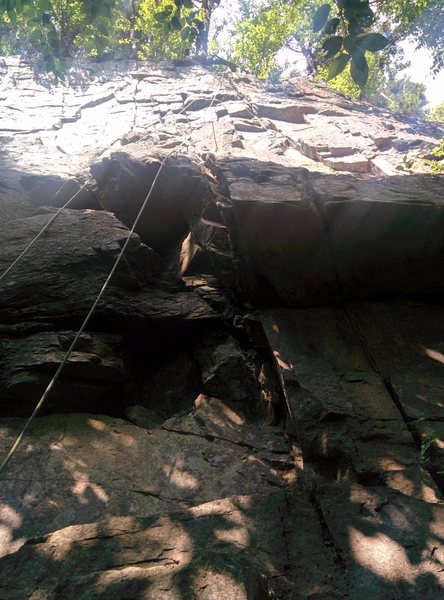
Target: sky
{"x":420,"y":72}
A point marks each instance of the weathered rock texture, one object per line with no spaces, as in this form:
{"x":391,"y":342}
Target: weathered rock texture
{"x":255,"y":409}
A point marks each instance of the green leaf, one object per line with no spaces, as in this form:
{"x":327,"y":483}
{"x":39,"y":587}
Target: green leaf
{"x":332,"y":46}
{"x":186,"y":32}
{"x":161,"y":16}
{"x":190,"y":18}
{"x":321,"y":16}
{"x":199,"y":24}
{"x":359,"y":69}
{"x":35,"y":33}
{"x":350,"y":43}
{"x":348,"y":3}
{"x":337,"y":65}
{"x":175,"y":22}
{"x":331,"y":27}
{"x":359,"y":18}
{"x":373,"y":42}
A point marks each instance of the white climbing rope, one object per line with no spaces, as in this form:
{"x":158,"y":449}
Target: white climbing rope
{"x":42,"y":231}
{"x":85,"y":322}
{"x":74,"y":196}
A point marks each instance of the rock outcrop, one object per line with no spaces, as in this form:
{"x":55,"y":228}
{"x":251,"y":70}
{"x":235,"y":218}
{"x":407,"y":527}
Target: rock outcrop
{"x":255,"y":408}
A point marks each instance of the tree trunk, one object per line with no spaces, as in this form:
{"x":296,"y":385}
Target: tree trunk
{"x":202,"y":39}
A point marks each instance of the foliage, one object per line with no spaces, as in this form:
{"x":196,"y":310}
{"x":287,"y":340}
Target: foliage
{"x":345,"y":84}
{"x":437,"y":164}
{"x":406,"y":165}
{"x":436,"y":113}
{"x":405,"y":96}
{"x":259,"y":38}
{"x":57,"y":29}
{"x":347,"y":32}
{"x":149,"y":34}
{"x":383,"y":87}
{"x":52,"y":28}
{"x":422,"y":21}
{"x":345,"y":27}
{"x":266,"y":27}
{"x":189,"y":17}
{"x":426,"y":440}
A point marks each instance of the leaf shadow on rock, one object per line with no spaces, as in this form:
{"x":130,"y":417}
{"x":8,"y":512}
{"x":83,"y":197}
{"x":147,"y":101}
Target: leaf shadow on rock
{"x":237,"y":539}
{"x":226,"y":546}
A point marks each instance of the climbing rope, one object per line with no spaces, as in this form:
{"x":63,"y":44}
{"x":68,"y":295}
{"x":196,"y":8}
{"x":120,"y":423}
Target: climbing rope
{"x":99,"y":296}
{"x":74,"y":196}
{"x":42,"y":231}
{"x":85,"y":321}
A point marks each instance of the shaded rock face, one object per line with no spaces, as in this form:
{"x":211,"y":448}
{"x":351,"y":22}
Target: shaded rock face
{"x":317,"y":239}
{"x":254,"y":409}
{"x":176,"y":201}
{"x":95,"y":374}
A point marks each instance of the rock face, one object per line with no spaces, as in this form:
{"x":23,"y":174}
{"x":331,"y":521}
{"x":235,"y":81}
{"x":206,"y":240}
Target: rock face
{"x":254,"y":409}
{"x":319,"y":238}
{"x":176,"y":201}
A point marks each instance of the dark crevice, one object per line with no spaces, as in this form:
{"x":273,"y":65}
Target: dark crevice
{"x":327,"y":536}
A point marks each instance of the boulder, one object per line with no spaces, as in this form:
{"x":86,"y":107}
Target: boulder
{"x":93,"y":377}
{"x":227,"y":373}
{"x":54,"y":191}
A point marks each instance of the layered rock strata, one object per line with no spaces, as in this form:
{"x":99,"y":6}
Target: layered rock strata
{"x":255,"y":408}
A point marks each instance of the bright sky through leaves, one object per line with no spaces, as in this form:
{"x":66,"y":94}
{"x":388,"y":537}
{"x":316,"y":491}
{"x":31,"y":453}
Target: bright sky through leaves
{"x":419,"y":71}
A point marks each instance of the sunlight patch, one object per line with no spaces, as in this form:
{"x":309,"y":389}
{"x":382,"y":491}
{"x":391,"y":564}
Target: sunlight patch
{"x":435,"y":355}
{"x":381,"y":555}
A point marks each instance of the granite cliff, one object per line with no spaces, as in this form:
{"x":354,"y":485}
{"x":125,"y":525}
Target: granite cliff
{"x":255,"y":409}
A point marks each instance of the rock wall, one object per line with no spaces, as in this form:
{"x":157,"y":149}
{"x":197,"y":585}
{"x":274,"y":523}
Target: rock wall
{"x":255,"y":408}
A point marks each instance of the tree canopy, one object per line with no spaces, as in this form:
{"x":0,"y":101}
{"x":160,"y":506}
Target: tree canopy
{"x":351,"y":43}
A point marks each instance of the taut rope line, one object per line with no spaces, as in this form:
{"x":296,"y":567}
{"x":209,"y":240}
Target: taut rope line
{"x":98,"y":298}
{"x":42,"y":231}
{"x":85,"y":321}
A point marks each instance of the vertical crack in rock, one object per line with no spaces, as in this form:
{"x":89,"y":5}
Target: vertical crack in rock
{"x":281,"y":257}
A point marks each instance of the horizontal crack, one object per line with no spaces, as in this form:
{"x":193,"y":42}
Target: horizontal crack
{"x":211,"y":437}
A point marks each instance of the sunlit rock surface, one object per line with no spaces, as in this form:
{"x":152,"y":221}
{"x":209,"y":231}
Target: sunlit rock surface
{"x":255,"y":409}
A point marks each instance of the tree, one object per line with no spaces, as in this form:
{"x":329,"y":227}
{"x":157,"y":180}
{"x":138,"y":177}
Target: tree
{"x":421,"y":20}
{"x":143,"y":31}
{"x":436,"y":113}
{"x":345,"y":27}
{"x":383,"y":87}
{"x":53,"y":29}
{"x":346,"y":30}
{"x":350,"y":28}
{"x":191,"y":18}
{"x":260,"y":37}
